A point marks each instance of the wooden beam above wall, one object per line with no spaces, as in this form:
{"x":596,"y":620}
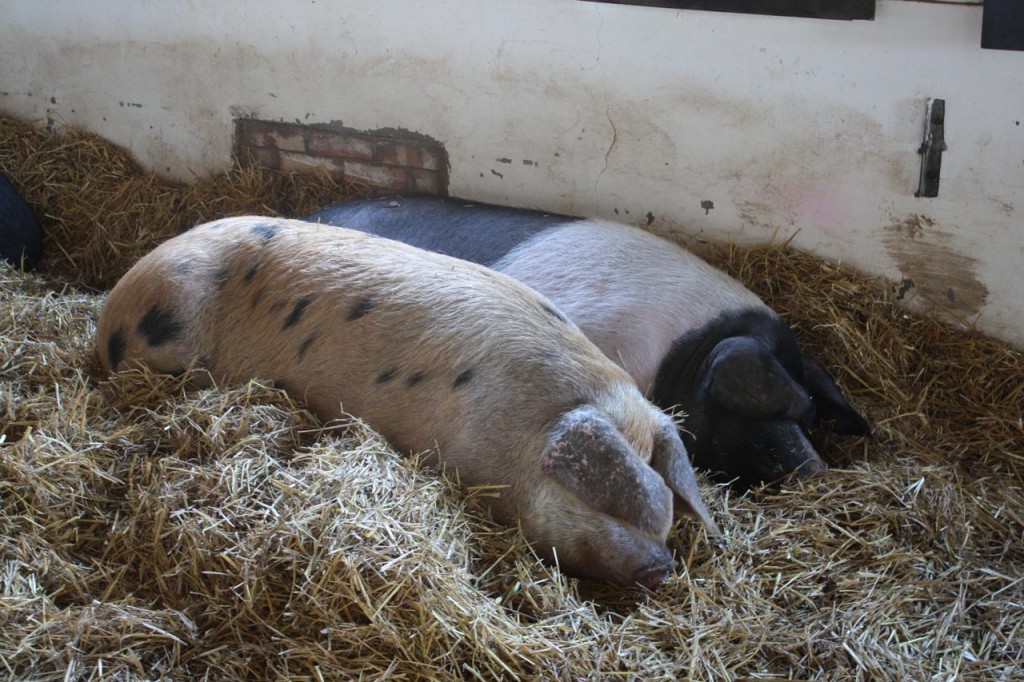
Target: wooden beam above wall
{"x":815,"y":9}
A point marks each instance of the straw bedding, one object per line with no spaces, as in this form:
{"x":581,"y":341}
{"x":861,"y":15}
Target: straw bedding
{"x":152,"y":530}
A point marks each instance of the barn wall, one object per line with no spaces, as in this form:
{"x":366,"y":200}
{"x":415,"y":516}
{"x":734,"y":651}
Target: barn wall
{"x":725,"y":126}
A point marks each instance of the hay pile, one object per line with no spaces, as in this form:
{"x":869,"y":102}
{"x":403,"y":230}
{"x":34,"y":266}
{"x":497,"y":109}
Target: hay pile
{"x":149,"y":529}
{"x":100,"y":212}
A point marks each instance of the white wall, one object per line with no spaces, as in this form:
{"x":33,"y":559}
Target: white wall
{"x":789,"y":126}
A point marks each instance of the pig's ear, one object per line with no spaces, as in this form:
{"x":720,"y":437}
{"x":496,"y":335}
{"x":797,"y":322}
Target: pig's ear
{"x":834,"y":412}
{"x":747,"y":379}
{"x":590,"y":458}
{"x":671,"y":460}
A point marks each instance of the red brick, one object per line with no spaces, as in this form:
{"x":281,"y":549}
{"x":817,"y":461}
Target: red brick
{"x":389,"y":177}
{"x":286,"y":136}
{"x":409,"y":153}
{"x":250,"y":132}
{"x":293,"y":142}
{"x":261,"y":156}
{"x":425,"y":181}
{"x":304,"y":163}
{"x":342,"y":145}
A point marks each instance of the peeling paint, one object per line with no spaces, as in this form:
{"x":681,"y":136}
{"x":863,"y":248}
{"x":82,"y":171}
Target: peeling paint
{"x":932,"y":268}
{"x":912,"y":226}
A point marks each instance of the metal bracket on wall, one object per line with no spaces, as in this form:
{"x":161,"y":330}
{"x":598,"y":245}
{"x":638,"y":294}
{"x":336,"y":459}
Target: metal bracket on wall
{"x":931,"y":149}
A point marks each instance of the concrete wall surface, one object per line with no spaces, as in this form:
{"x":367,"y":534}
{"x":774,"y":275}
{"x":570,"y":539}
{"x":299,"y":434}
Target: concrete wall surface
{"x":720,"y":126}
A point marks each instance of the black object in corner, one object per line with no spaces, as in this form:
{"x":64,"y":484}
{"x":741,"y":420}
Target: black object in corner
{"x":814,"y":9}
{"x":1002,"y":25}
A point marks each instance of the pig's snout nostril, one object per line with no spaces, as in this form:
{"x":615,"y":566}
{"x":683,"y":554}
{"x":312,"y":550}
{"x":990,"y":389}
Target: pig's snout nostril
{"x":653,"y":575}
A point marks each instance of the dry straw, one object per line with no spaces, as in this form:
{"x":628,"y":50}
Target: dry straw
{"x":101,"y":212}
{"x":152,"y":530}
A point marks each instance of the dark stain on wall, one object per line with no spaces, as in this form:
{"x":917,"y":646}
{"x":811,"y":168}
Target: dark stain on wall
{"x":931,"y":268}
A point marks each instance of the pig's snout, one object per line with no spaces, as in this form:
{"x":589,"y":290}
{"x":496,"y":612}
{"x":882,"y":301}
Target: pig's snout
{"x":605,"y":513}
{"x":794,"y":456}
{"x":812,"y":465}
{"x":655,"y":572}
{"x":597,"y":547}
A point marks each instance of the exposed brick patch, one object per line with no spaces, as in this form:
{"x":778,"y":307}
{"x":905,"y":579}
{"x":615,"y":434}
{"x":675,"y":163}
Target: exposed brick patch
{"x":388,"y":160}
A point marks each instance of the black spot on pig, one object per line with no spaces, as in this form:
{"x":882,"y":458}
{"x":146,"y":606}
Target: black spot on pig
{"x":250,"y":274}
{"x":115,"y":348}
{"x":385,"y":377}
{"x":553,"y":313}
{"x":306,"y":344}
{"x":415,"y":379}
{"x":361,"y":308}
{"x":159,"y":326}
{"x":185,"y":267}
{"x":220,"y":278}
{"x":296,"y":314}
{"x":258,"y":296}
{"x":463,"y":378}
{"x":265,"y":231}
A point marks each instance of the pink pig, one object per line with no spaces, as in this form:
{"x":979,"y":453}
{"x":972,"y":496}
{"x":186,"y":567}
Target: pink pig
{"x":438,"y":355}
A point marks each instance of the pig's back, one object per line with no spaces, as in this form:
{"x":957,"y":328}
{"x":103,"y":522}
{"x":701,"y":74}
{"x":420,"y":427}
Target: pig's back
{"x":427,"y":349}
